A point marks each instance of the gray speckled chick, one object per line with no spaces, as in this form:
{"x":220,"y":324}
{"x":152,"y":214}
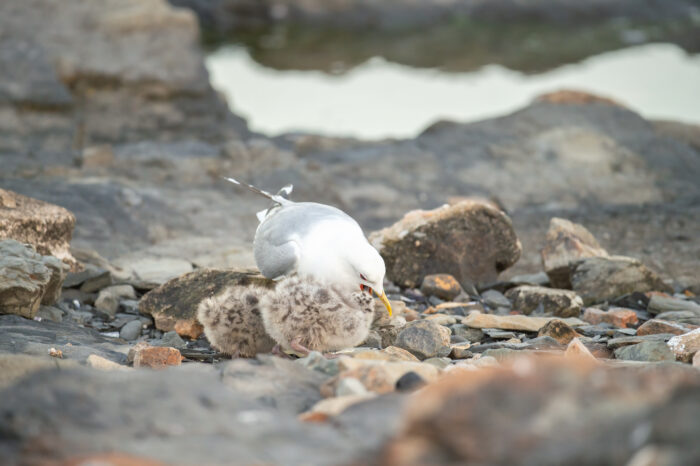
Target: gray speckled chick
{"x":302,"y":315}
{"x":232,"y":321}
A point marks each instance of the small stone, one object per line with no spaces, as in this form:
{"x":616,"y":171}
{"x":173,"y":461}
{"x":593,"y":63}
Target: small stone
{"x":545,"y":301}
{"x":55,"y":353}
{"x":409,"y":382}
{"x":50,"y":313}
{"x":617,"y":317}
{"x":558,"y":330}
{"x":598,"y":279}
{"x":131,"y":330}
{"x":615,"y":343}
{"x":567,"y":242}
{"x":442,"y":285}
{"x":471,"y":240}
{"x":495,"y":299}
{"x":107,"y":303}
{"x":650,"y":351}
{"x":655,"y":326}
{"x":441,"y":319}
{"x":498,"y":334}
{"x":576,"y":349}
{"x":659,"y":304}
{"x":512,"y":322}
{"x":682,"y":317}
{"x":189,"y":329}
{"x":317,"y":362}
{"x":381,"y":376}
{"x":173,"y":340}
{"x":472,"y":335}
{"x":390,"y":353}
{"x":350,"y":386}
{"x":423,"y":339}
{"x":440,"y":363}
{"x":157,"y":357}
{"x":685,"y":346}
{"x":98,"y":362}
{"x":461,"y":352}
{"x":97,"y":282}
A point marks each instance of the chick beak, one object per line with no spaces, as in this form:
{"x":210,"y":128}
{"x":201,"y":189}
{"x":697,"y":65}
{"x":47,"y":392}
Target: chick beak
{"x":385,"y":300}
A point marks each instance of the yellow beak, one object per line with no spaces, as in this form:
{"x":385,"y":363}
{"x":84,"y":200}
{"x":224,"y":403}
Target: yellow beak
{"x":385,"y":300}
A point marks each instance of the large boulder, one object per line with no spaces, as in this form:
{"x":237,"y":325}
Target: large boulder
{"x":566,"y":243}
{"x":598,"y":279}
{"x":173,"y":305}
{"x":552,"y":413}
{"x":45,"y":226}
{"x":27,"y":279}
{"x":471,"y":240}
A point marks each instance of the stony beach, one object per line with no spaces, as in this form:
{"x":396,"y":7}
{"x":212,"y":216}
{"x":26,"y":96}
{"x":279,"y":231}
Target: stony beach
{"x":543,"y":267}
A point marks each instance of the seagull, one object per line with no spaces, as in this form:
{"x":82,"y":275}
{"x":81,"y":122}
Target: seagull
{"x":327,"y":254}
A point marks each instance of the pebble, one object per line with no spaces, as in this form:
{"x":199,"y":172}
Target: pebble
{"x":545,"y":301}
{"x":409,"y":382}
{"x":615,"y":343}
{"x":440,"y":363}
{"x":558,"y":330}
{"x":50,"y":313}
{"x":659,"y":304}
{"x":131,"y":330}
{"x":441,"y":285}
{"x":461,"y":352}
{"x":472,"y":335}
{"x":618,"y":317}
{"x":424,"y":339}
{"x":512,"y":322}
{"x":350,"y":386}
{"x":172,"y":339}
{"x":576,"y":349}
{"x":156,"y":357}
{"x":649,"y":351}
{"x":316,"y":361}
{"x":495,"y":299}
{"x":498,"y":334}
{"x":655,"y":326}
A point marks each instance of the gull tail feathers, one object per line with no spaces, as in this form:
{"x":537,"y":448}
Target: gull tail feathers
{"x":279,"y":198}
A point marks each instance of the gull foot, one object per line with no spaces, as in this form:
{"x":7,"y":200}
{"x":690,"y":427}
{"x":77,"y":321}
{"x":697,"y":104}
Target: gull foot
{"x":299,"y":348}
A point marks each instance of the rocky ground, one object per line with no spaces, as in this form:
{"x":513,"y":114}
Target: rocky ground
{"x":112,"y":142}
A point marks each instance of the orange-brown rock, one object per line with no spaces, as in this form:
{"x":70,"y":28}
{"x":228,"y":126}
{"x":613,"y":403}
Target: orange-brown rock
{"x":618,"y":317}
{"x":442,"y":285}
{"x":47,"y":227}
{"x":558,"y":330}
{"x":472,"y":241}
{"x":189,"y":329}
{"x":157,"y":357}
{"x":654,"y":326}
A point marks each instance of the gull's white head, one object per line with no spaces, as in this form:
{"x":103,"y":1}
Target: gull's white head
{"x":344,"y":257}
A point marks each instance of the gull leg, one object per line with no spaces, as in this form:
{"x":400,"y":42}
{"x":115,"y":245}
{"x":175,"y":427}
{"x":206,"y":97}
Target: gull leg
{"x":299,"y":348}
{"x":277,"y":351}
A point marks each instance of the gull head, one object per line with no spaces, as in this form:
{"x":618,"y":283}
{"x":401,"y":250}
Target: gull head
{"x":365,"y":270}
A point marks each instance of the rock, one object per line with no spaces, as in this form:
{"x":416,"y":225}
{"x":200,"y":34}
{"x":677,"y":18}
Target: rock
{"x":107,"y":303}
{"x":654,"y":326}
{"x":498,"y":334}
{"x":619,"y":342}
{"x":442,"y":285}
{"x":648,"y":351}
{"x":151,"y":272}
{"x":545,"y":301}
{"x":558,"y":330}
{"x":27,"y":279}
{"x":317,"y":362}
{"x":577,"y":350}
{"x":598,"y":279}
{"x":173,"y":340}
{"x":98,"y":362}
{"x":682,"y":317}
{"x":441,"y":319}
{"x":49,"y":313}
{"x":513,"y":322}
{"x":18,"y":335}
{"x":409,"y":382}
{"x":472,"y":241}
{"x":543,"y":343}
{"x":617,"y":317}
{"x":175,"y":302}
{"x":350,"y":387}
{"x":47,"y":227}
{"x":472,"y":335}
{"x":390,"y":353}
{"x":381,"y":376}
{"x":686,"y":345}
{"x":131,"y":330}
{"x":373,"y":340}
{"x":566,"y":243}
{"x":495,"y":299}
{"x":157,"y":357}
{"x":97,"y":281}
{"x":461,"y":352}
{"x":332,"y":407}
{"x":424,"y":339}
{"x":450,"y":420}
{"x":660,"y":304}
{"x":75,"y":279}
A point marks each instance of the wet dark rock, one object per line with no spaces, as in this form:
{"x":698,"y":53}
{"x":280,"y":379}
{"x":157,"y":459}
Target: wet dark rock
{"x":175,"y":302}
{"x":424,"y":339}
{"x":472,"y":241}
{"x":19,"y":335}
{"x":599,"y":279}
{"x":409,"y":382}
{"x":545,"y":301}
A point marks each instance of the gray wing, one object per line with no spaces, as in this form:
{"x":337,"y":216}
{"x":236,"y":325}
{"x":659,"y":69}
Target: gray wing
{"x":276,"y":251}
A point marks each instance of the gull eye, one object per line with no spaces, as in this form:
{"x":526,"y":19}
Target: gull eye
{"x":363,"y":277}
